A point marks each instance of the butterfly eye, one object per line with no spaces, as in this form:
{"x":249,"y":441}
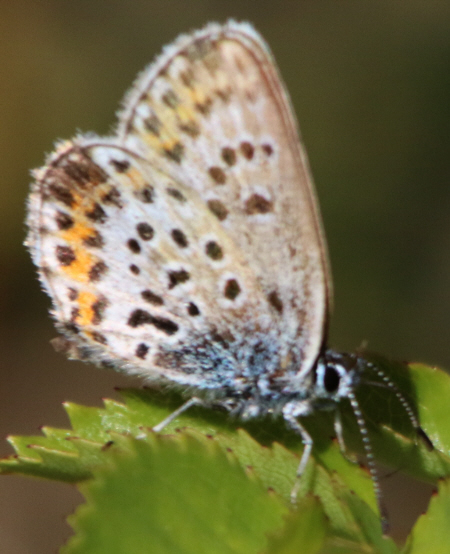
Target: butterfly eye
{"x":331,"y":379}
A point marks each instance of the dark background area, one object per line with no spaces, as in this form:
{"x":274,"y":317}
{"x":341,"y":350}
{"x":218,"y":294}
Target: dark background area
{"x":370,"y":82}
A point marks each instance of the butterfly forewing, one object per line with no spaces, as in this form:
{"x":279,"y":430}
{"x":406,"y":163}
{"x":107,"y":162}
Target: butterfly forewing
{"x":189,"y":245}
{"x":212,"y":111}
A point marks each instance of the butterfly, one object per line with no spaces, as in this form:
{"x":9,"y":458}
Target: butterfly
{"x":187,"y":248}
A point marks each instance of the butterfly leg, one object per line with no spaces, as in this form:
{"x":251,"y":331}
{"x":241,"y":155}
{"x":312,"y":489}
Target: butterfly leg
{"x":339,"y":430}
{"x":194,"y":401}
{"x":308,"y":444}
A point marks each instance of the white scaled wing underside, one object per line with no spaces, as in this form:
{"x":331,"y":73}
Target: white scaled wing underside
{"x":189,"y":246}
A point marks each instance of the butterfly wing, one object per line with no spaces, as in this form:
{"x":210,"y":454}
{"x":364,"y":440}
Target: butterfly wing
{"x":189,"y":245}
{"x":213,"y":112}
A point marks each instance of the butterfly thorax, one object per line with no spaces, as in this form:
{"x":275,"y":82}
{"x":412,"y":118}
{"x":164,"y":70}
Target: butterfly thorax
{"x":333,"y":378}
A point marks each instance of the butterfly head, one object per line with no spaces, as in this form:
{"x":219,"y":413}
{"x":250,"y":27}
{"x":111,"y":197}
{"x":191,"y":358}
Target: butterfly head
{"x":336,"y":375}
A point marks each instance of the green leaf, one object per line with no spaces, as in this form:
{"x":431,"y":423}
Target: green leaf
{"x":305,"y":530}
{"x":266,"y":448}
{"x":430,"y":534}
{"x":149,"y":490}
{"x":392,"y":436}
{"x":174,"y":494}
{"x":433,"y":390}
{"x":74,"y":456}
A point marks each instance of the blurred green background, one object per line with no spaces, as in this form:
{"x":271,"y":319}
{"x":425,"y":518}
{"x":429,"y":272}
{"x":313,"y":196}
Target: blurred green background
{"x":370,"y":82}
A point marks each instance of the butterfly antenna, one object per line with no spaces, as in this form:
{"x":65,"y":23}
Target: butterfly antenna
{"x":406,"y":405}
{"x":370,"y":458}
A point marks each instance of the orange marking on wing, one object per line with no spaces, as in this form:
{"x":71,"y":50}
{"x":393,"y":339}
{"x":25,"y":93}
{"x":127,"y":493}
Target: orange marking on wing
{"x":170,"y":143}
{"x":185,"y":113}
{"x":76,"y":234}
{"x":78,"y":201}
{"x":78,"y":270}
{"x":197,"y":96}
{"x":136,"y":178}
{"x":86,"y":313}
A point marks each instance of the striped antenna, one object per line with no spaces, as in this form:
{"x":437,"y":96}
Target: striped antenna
{"x":387,"y":382}
{"x":370,"y":459}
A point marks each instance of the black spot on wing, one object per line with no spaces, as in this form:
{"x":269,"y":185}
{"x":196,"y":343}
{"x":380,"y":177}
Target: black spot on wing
{"x":145,"y":231}
{"x":97,"y":271}
{"x":257,"y":204}
{"x":96,"y":214}
{"x":142,"y":350}
{"x":232,"y":289}
{"x":228,"y":156}
{"x":218,"y":209}
{"x":214,"y":250}
{"x":65,"y":255}
{"x":247,"y":150}
{"x":177,"y":277}
{"x":63,"y":221}
{"x":275,"y":301}
{"x":152,"y":298}
{"x":179,"y":238}
{"x":193,"y":309}
{"x":121,"y":166}
{"x":142,"y":317}
{"x":218,"y":175}
{"x":134,"y":246}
